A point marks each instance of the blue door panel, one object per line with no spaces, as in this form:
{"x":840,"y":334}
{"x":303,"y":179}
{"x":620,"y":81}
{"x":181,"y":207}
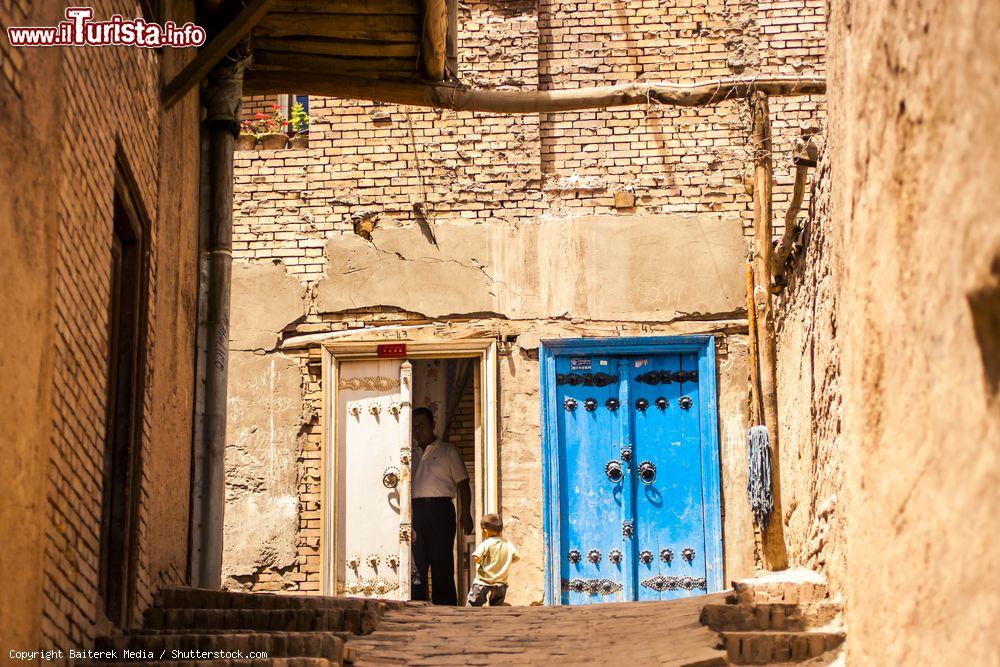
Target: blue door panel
{"x":592,"y":504}
{"x":669,"y":509}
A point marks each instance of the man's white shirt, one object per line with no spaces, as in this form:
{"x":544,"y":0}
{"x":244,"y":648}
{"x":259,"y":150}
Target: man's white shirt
{"x":437,"y":470}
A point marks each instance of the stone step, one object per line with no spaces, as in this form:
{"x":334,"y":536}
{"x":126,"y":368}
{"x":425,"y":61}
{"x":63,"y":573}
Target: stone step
{"x":273,"y":644}
{"x":263,"y":620}
{"x":760,"y":648}
{"x":276,"y":662}
{"x":343,"y":634}
{"x":770,"y":616}
{"x":203,"y":598}
{"x":787,"y":586}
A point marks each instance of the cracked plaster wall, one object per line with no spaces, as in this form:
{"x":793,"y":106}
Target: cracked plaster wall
{"x":641,"y":268}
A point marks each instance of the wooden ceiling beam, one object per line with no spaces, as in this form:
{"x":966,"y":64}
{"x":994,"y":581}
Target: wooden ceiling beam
{"x":452,"y":96}
{"x":401,"y":7}
{"x":387,"y":27}
{"x":213,"y":52}
{"x":434,"y":39}
{"x":339,"y":47}
{"x":298,"y":62}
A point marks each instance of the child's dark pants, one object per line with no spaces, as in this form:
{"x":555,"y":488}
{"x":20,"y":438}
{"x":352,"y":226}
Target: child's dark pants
{"x":479,"y":593}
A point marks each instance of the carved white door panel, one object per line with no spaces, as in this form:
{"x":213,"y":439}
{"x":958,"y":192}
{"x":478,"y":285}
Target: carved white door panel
{"x":373,"y":478}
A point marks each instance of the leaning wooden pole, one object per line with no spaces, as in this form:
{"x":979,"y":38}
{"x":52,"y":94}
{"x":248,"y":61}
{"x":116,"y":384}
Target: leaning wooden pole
{"x":774,"y":552}
{"x":445,"y":95}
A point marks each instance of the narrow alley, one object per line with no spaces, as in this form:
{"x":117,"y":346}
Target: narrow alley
{"x":520,"y":332}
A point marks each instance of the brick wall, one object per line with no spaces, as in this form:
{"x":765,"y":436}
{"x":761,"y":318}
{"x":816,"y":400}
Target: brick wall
{"x":462,"y":430}
{"x":107,"y":101}
{"x":375,"y":159}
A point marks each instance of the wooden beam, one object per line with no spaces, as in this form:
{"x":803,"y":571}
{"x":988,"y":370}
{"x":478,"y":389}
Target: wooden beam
{"x":434,"y":39}
{"x":774,"y":551}
{"x":388,"y":27}
{"x":339,"y":47}
{"x":411,"y":7}
{"x":452,"y":96}
{"x":804,"y":157}
{"x":292,"y":62}
{"x":213,"y":52}
{"x":791,"y":215}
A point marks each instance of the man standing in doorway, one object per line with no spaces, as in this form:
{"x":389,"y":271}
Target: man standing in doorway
{"x":438,"y":475}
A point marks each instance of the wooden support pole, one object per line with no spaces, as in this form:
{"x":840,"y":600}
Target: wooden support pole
{"x":785,"y":247}
{"x":804,"y":157}
{"x":775,"y":554}
{"x":434,"y":42}
{"x":458,"y":97}
{"x":756,"y":412}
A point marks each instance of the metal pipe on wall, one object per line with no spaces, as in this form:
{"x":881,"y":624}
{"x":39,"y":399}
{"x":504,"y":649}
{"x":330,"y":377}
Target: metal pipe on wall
{"x":222,"y":99}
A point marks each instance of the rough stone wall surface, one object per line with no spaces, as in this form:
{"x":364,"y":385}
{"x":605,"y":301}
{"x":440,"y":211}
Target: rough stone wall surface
{"x":533,"y":224}
{"x":913,"y":104}
{"x":63,"y":169}
{"x":809,"y":390}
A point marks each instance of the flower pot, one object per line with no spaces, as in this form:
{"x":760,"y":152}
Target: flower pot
{"x":246,"y":142}
{"x":299,"y":141}
{"x":273,"y":142}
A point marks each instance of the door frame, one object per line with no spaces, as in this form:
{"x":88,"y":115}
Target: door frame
{"x":487,"y":464}
{"x":704,"y":346}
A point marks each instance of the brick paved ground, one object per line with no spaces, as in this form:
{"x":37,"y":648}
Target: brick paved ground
{"x":643,"y":633}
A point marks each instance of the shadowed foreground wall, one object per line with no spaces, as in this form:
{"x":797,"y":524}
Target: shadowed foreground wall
{"x":57,"y":189}
{"x":907,"y":258}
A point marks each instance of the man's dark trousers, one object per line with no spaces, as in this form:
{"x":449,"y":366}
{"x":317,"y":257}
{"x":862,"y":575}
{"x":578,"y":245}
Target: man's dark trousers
{"x":434,"y":548}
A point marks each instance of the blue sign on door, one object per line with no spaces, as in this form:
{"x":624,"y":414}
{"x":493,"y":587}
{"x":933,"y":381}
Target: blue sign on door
{"x":637,"y":510}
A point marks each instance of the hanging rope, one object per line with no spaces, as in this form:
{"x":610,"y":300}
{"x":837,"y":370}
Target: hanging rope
{"x":759,"y":475}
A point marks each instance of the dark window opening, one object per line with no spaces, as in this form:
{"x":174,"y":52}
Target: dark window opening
{"x":127,"y":320}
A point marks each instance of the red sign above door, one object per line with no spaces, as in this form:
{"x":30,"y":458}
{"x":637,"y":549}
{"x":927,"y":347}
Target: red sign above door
{"x":391,"y":350}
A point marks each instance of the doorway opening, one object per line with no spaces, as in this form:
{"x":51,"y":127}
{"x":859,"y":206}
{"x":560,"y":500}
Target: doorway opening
{"x":367,"y":480}
{"x":121,"y":464}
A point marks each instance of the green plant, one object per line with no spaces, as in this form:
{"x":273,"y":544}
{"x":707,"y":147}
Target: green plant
{"x":299,"y":122}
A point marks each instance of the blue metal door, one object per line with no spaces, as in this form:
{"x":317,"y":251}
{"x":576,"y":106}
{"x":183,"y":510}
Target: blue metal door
{"x":669,"y":493}
{"x":632,"y":492}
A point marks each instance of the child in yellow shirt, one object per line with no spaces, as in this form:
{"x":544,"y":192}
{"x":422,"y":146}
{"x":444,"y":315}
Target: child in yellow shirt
{"x":493,"y":558}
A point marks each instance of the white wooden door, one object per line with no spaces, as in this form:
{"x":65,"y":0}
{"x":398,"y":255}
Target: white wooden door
{"x":373,"y":478}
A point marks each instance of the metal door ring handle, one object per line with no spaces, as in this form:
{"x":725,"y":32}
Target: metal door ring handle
{"x":647,"y":472}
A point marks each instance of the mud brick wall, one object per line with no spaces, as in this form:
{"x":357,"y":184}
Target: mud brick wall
{"x":919,"y":312}
{"x":809,"y":340}
{"x":53,"y":95}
